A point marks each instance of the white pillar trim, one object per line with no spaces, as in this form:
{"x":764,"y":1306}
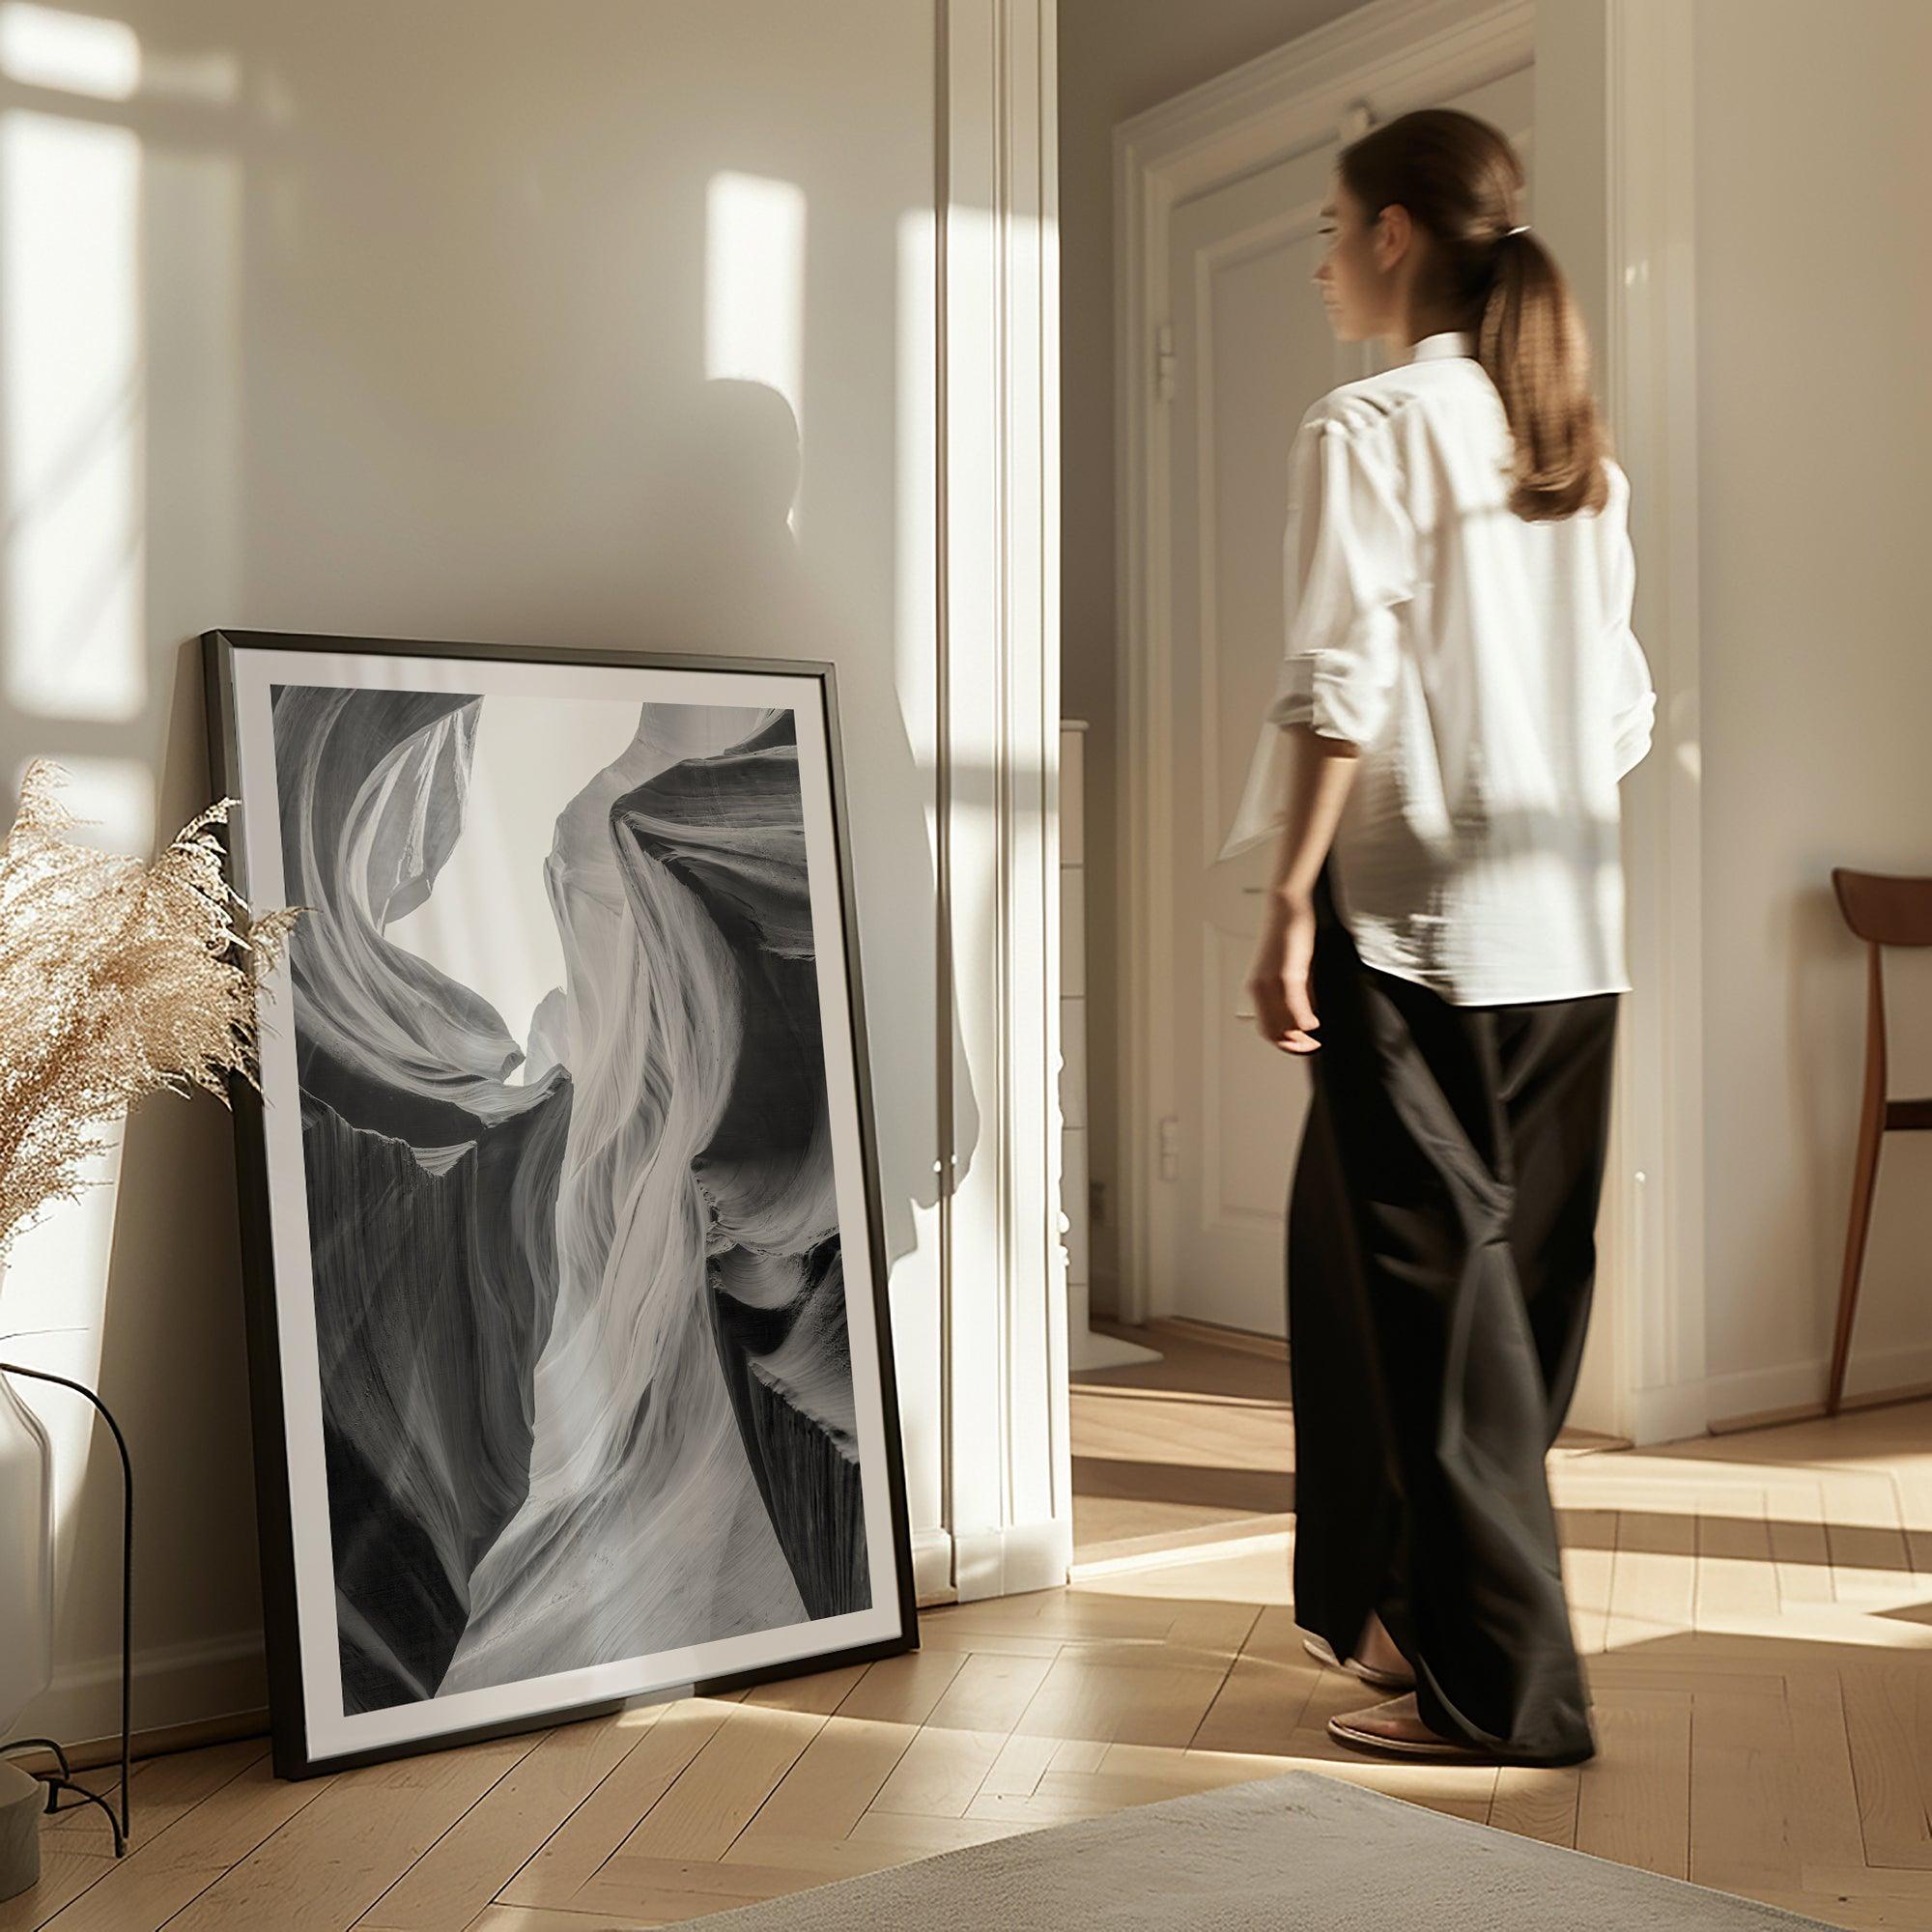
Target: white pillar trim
{"x":1007,"y":1482}
{"x":1659,"y":1162}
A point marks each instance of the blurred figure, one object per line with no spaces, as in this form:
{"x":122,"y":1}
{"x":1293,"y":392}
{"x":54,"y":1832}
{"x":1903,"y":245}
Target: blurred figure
{"x":1458,"y":696}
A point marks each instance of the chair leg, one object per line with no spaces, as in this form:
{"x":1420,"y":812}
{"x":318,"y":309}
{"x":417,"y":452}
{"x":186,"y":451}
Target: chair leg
{"x":1864,"y":1180}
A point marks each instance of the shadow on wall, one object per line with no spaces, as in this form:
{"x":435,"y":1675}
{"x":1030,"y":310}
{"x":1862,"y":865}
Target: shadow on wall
{"x":441,"y":322}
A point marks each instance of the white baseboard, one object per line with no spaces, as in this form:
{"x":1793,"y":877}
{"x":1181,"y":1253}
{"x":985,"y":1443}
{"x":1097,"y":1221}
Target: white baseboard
{"x":192,"y":1683}
{"x":932,"y":1565}
{"x":1673,"y":1412}
{"x":1005,"y":1562}
{"x":1798,"y":1385}
{"x":1679,"y":1411}
{"x":174,"y":1684}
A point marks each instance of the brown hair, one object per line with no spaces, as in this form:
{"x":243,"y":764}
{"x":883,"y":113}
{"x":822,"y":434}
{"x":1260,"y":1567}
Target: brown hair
{"x":1460,"y":180}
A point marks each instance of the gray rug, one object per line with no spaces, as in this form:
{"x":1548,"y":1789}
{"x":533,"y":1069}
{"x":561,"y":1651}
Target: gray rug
{"x":1300,"y":1853}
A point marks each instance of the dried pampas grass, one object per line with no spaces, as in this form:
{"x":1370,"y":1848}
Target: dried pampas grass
{"x":117,"y":978}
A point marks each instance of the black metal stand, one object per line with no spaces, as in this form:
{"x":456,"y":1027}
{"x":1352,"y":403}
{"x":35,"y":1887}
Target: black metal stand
{"x":62,"y":1779}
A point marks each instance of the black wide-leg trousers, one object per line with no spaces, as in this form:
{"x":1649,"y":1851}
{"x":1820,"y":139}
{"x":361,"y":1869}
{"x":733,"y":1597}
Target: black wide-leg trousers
{"x":1440,"y":1258}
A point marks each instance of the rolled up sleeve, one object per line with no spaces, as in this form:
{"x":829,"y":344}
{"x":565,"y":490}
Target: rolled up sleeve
{"x":1347,"y":564}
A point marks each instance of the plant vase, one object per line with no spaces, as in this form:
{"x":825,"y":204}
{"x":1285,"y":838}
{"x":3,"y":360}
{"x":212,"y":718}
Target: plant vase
{"x":26,"y":1616}
{"x":27,"y":1557}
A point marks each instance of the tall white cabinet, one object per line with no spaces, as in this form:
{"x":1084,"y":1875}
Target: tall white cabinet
{"x":1085,"y":1350}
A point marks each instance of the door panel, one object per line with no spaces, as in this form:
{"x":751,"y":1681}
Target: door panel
{"x":1252,"y":349}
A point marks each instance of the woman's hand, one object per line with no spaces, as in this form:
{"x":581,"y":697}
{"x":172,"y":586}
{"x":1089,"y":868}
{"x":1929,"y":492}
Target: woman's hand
{"x":1278,"y":979}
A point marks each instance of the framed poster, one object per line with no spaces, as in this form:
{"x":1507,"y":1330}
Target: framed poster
{"x":569,"y":1343}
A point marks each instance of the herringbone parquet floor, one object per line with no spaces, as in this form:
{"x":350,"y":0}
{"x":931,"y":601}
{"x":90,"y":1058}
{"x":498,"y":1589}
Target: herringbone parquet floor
{"x":1756,"y":1609}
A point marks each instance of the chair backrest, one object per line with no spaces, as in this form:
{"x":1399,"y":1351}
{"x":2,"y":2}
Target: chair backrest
{"x":1885,"y":910}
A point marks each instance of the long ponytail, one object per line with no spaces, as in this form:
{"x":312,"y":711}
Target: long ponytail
{"x":1460,"y":182}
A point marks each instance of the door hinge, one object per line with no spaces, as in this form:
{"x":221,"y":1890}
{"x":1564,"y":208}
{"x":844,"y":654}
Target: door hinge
{"x":1170,"y":1149}
{"x":1163,"y":362}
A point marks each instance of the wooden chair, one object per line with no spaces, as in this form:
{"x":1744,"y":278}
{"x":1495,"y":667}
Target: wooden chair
{"x":1883,"y":911}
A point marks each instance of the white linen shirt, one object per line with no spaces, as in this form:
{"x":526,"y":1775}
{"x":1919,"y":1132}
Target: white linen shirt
{"x":1486,"y":667}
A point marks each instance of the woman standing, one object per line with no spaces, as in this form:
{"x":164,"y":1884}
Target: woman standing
{"x":1459,"y":695}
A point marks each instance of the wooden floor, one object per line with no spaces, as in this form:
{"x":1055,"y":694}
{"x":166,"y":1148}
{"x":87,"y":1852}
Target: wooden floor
{"x":1193,"y":1450}
{"x":1756,"y":1609}
{"x":1188,"y":1449}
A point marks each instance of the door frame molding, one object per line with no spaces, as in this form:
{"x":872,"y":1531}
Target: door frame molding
{"x":1657,"y":1170}
{"x":1006,"y":1490}
{"x":1401,"y":53}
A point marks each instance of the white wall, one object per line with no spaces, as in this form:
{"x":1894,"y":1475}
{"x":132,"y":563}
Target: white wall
{"x":1814,"y":292}
{"x":400,"y":320}
{"x":1117,"y":59}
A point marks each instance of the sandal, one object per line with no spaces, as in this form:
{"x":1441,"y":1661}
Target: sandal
{"x":1348,"y":1729}
{"x":1323,"y":1652}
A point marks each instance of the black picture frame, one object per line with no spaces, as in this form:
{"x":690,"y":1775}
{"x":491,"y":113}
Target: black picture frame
{"x":287,"y":1642}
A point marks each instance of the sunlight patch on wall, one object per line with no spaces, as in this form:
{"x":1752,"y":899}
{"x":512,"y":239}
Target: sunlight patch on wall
{"x":755,"y":284}
{"x":71,"y":410}
{"x":75,"y":54}
{"x":112,"y":798}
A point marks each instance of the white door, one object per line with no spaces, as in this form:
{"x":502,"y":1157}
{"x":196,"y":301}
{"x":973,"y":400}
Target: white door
{"x":1250,"y":351}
